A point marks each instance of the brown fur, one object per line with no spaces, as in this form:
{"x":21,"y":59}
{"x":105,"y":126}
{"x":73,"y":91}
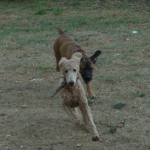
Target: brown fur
{"x":65,"y":46}
{"x":73,"y":95}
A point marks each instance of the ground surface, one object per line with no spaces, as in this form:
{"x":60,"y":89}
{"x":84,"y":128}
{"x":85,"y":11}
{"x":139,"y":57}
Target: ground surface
{"x":30,"y":119}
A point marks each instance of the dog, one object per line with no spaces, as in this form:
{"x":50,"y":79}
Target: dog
{"x":73,"y":94}
{"x":65,"y":46}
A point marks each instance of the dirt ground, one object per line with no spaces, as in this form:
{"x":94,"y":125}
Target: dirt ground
{"x":30,"y":119}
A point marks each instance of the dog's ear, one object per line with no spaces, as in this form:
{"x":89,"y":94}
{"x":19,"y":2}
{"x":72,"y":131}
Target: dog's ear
{"x":77,"y":56}
{"x":62,"y":61}
{"x":93,"y":58}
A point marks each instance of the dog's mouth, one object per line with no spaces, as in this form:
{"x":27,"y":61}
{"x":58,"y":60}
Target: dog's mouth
{"x":86,"y":82}
{"x":87,"y":79}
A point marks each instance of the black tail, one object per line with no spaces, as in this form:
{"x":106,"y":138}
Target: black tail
{"x":60,"y":31}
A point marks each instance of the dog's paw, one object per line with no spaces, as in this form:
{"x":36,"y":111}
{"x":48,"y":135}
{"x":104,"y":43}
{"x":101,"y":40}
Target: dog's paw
{"x":93,"y":97}
{"x":95,"y":138}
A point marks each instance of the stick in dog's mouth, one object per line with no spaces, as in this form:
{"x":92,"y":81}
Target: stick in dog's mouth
{"x":63,"y":84}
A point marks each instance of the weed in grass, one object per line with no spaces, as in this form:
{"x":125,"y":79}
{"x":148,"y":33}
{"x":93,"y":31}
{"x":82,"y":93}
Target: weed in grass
{"x":119,"y":105}
{"x":147,"y":131}
{"x":113,"y":129}
{"x":40,"y":12}
{"x":109,"y":79}
{"x":142,"y":94}
{"x":58,"y":11}
{"x":75,"y":3}
{"x":20,"y":18}
{"x":79,"y":39}
{"x":90,"y":101}
{"x":136,"y":74}
{"x":3,"y":33}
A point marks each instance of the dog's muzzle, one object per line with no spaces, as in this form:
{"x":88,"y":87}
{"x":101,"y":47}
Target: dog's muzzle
{"x":71,"y":83}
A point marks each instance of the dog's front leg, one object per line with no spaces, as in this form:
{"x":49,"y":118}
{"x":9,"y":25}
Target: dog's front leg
{"x":90,"y":92}
{"x":87,"y":116}
{"x":73,"y":114}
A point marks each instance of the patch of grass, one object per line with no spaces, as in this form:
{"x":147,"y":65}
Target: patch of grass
{"x":109,"y":80}
{"x":43,"y":67}
{"x":102,"y":60}
{"x":75,"y":3}
{"x":90,"y":101}
{"x":78,"y":39}
{"x":77,"y":21}
{"x":141,"y":94}
{"x":124,"y":57}
{"x":4,"y":32}
{"x":20,"y":18}
{"x":113,"y":129}
{"x":136,"y":74}
{"x":58,"y":11}
{"x":119,"y":105}
{"x":40,"y":12}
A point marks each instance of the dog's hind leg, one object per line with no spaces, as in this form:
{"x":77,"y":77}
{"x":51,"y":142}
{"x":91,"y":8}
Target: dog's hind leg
{"x":87,"y":116}
{"x":57,"y":62}
{"x":57,"y":56}
{"x":73,"y":114}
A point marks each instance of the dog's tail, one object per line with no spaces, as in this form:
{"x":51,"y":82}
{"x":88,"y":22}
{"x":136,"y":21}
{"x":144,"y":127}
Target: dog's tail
{"x":60,"y":31}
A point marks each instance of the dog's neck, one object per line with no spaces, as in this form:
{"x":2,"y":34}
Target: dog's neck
{"x":82,"y":52}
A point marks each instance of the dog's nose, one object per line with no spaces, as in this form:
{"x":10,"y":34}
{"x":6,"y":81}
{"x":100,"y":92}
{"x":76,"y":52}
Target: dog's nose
{"x":71,"y":82}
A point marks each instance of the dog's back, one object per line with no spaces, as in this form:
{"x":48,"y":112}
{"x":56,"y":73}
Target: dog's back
{"x":64,"y":46}
{"x":62,"y":38}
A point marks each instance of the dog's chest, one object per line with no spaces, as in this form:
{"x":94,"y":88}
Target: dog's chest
{"x":70,"y":95}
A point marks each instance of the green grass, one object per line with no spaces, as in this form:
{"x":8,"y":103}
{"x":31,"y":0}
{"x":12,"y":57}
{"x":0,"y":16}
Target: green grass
{"x":132,"y":75}
{"x":109,"y":80}
{"x":41,"y":12}
{"x":58,"y":11}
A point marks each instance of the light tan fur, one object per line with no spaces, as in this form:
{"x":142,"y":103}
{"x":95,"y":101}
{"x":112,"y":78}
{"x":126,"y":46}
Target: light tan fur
{"x":73,"y":96}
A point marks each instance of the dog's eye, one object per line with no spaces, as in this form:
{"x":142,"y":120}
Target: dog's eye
{"x":66,"y":71}
{"x":74,"y":70}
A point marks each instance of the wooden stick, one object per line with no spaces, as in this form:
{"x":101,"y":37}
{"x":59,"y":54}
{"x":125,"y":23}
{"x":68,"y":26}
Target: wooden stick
{"x":64,"y":83}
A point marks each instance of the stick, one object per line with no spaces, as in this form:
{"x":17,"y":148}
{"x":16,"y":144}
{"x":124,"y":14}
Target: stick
{"x":64,"y":83}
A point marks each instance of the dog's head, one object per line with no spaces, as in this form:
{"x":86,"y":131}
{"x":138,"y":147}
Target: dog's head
{"x":70,"y":68}
{"x":87,"y":66}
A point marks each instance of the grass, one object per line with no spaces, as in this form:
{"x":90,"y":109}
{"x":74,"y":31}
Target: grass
{"x":28,"y":30}
{"x":109,"y":79}
{"x":58,"y":11}
{"x":41,"y":12}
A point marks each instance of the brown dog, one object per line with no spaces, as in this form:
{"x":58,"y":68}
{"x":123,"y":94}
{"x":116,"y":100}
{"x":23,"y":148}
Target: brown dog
{"x":65,"y":46}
